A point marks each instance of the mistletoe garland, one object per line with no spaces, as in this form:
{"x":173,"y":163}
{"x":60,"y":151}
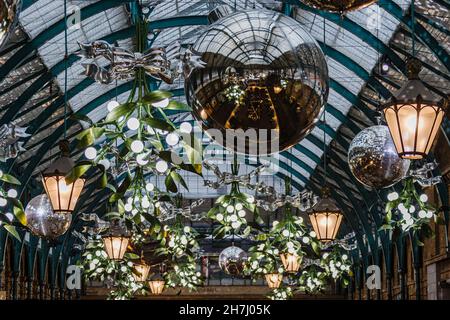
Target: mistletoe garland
{"x":135,"y":140}
{"x":312,"y":279}
{"x":337,"y":264}
{"x":230,"y":210}
{"x":118,"y":274}
{"x":8,"y":198}
{"x":409,"y":211}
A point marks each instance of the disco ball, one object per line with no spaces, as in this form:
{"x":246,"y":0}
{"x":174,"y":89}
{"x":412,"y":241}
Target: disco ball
{"x":264,"y":83}
{"x":42,"y":221}
{"x":340,"y":6}
{"x":373,"y":159}
{"x":232,"y":260}
{"x":9,"y":12}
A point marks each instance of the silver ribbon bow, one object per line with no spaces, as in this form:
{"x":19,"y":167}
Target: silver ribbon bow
{"x":345,"y":243}
{"x":168,"y":211}
{"x":10,"y":144}
{"x":303,"y":201}
{"x":424,"y":175}
{"x":161,"y":63}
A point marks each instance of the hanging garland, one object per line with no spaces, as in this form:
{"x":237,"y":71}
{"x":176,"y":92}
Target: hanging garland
{"x":8,"y":199}
{"x":409,"y":210}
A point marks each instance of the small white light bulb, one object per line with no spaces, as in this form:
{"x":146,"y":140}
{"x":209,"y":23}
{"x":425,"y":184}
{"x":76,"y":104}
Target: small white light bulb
{"x":12,"y":193}
{"x":172,"y":139}
{"x":161,"y":166}
{"x":90,"y":153}
{"x":186,"y":127}
{"x":111,"y":105}
{"x":133,"y":123}
{"x":137,"y":146}
{"x":162,"y":103}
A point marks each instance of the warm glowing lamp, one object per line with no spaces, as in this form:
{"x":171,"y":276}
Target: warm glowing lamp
{"x":116,"y":245}
{"x":325,"y":217}
{"x":156,"y":286}
{"x":274,"y":280}
{"x":63,"y":197}
{"x":291,"y":261}
{"x":141,"y":270}
{"x":414,"y":115}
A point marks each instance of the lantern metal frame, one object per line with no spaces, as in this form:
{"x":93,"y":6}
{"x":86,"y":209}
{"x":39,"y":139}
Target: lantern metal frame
{"x":414,"y":96}
{"x":57,"y":172}
{"x":274,"y":280}
{"x":291,"y":262}
{"x":326,"y":207}
{"x":116,"y":231}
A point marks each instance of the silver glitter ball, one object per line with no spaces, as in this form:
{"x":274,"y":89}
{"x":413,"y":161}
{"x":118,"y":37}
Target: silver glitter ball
{"x":9,"y":12}
{"x":263,"y":75}
{"x":232,"y":260}
{"x":42,"y":221}
{"x":373,"y":159}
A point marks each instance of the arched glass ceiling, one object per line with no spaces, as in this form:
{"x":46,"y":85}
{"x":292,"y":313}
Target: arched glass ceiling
{"x":32,"y":69}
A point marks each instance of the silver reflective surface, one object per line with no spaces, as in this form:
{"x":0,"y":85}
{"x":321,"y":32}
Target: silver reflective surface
{"x":9,"y":11}
{"x":339,"y":5}
{"x":232,"y":260}
{"x":42,"y":221}
{"x":264,"y":73}
{"x":373,"y":159}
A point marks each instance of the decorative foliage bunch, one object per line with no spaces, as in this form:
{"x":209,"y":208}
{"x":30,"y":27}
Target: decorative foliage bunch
{"x":409,"y":210}
{"x":97,"y":266}
{"x":185,"y":275}
{"x":8,"y":198}
{"x":281,"y":293}
{"x":312,"y":280}
{"x":263,"y":259}
{"x":230,"y":211}
{"x":179,"y":241}
{"x":337,"y":264}
{"x":292,"y":236}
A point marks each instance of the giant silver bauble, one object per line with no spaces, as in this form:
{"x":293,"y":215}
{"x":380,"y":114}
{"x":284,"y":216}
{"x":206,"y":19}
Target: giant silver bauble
{"x":232,"y":260}
{"x":373,"y":159}
{"x":9,"y":12}
{"x":42,"y":221}
{"x":263,"y":72}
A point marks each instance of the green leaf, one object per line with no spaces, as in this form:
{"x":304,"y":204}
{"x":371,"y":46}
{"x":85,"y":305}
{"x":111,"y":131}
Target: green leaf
{"x":120,"y":111}
{"x":9,"y":179}
{"x":132,"y":256}
{"x":13,"y":231}
{"x":19,"y":213}
{"x":178,"y":179}
{"x":77,"y":172}
{"x":158,"y":124}
{"x":194,"y":152}
{"x":104,"y":180}
{"x":88,"y":136}
{"x":179,"y":106}
{"x":81,"y":117}
{"x":316,"y":248}
{"x":112,"y":215}
{"x":157,"y":95}
{"x":170,"y":184}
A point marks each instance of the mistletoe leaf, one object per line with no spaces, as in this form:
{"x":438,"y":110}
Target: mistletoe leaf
{"x":77,"y":172}
{"x":158,"y":124}
{"x":12,"y":231}
{"x":156,"y":96}
{"x":178,"y":106}
{"x":120,"y":111}
{"x":316,"y":247}
{"x":194,"y":151}
{"x":170,"y":184}
{"x":178,"y":179}
{"x":81,"y":117}
{"x":9,"y":179}
{"x":19,"y":212}
{"x":104,"y":180}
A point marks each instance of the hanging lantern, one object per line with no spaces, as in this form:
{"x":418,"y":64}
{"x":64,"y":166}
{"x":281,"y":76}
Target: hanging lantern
{"x":63,"y":197}
{"x":156,"y":286}
{"x":141,"y":271}
{"x":291,"y":261}
{"x":116,"y":241}
{"x":325,"y":217}
{"x":414,"y":115}
{"x":274,"y":280}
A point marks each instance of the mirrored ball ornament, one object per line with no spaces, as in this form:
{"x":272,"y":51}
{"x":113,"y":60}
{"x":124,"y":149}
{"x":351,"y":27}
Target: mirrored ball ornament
{"x":232,"y":260}
{"x":373,"y":159}
{"x":9,"y":12}
{"x":263,"y":85}
{"x":340,"y":6}
{"x":42,"y":221}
